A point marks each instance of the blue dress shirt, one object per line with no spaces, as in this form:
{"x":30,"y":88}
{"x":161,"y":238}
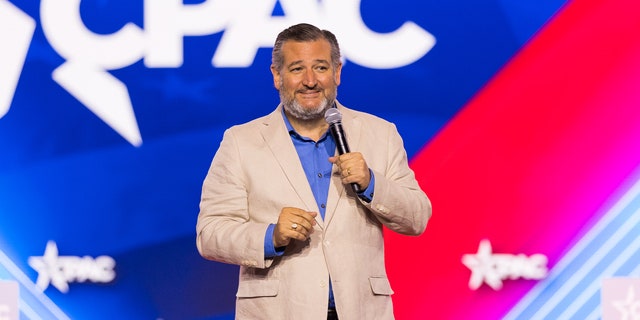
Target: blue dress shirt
{"x":314,"y":157}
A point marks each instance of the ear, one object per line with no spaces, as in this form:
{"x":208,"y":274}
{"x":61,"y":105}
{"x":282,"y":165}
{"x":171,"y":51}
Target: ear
{"x":337,"y":73}
{"x":276,"y":77}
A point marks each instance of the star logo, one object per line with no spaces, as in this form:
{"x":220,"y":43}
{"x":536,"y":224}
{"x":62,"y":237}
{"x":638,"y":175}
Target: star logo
{"x":482,"y":267}
{"x":630,"y":307}
{"x":90,"y":57}
{"x":50,"y":269}
{"x":103,"y":94}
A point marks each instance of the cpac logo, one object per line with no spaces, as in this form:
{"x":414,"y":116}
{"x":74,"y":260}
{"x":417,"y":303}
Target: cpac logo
{"x":89,"y":56}
{"x":629,"y":307}
{"x":9,"y":300}
{"x":620,"y":298}
{"x":61,"y":270}
{"x":492,"y":268}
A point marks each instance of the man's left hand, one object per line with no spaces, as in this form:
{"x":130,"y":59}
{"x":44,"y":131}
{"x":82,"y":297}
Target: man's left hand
{"x":353,"y":169}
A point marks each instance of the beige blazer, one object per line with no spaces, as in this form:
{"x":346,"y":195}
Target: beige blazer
{"x":256,"y":171}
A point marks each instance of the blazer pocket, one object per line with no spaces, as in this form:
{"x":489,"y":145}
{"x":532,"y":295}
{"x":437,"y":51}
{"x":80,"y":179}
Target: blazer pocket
{"x":380,"y":286}
{"x":258,"y":288}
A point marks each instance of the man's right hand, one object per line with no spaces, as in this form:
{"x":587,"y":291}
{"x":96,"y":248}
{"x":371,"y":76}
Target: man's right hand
{"x":293,"y":223}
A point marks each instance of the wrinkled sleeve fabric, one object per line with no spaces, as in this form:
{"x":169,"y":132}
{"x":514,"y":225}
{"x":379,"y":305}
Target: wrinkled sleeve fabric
{"x":224,"y":230}
{"x":398,"y":202}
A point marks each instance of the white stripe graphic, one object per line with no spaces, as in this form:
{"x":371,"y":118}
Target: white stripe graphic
{"x":578,"y":249}
{"x":26,"y":283}
{"x":580,"y":275}
{"x":594,"y":287}
{"x":597,"y":312}
{"x":29,"y":313}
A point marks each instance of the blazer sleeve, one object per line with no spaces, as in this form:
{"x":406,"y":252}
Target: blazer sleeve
{"x":224,"y":231}
{"x":398,"y":202}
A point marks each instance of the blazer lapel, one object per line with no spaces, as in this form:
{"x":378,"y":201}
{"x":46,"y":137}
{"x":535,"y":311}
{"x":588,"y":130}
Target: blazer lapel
{"x":277,"y":137}
{"x":353,"y":131}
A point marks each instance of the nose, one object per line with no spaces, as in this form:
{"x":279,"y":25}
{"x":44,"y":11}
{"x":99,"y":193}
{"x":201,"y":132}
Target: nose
{"x":310,"y":79}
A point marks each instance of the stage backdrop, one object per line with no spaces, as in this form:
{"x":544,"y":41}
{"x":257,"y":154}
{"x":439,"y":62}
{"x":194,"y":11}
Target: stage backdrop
{"x":520,"y":118}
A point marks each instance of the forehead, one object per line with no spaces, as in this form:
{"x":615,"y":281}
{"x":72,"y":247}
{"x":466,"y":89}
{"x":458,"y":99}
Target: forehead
{"x":306,"y":51}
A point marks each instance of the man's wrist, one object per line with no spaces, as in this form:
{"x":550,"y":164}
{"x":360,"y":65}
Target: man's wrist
{"x":367,"y":194}
{"x":270,"y":250}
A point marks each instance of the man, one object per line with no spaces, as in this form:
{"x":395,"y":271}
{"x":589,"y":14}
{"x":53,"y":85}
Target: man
{"x":278,"y":201}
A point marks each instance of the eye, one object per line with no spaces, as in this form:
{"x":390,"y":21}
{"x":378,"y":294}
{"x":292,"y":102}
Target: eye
{"x":295,"y":70}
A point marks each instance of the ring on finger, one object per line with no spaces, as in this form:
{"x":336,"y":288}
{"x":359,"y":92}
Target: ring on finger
{"x":294,"y":226}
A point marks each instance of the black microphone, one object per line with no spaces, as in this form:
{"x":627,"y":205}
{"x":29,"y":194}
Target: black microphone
{"x":334,"y":119}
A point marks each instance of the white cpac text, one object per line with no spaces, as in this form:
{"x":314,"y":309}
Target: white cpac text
{"x":90,"y":56}
{"x":59,"y":271}
{"x":492,"y":268}
{"x":167,"y":22}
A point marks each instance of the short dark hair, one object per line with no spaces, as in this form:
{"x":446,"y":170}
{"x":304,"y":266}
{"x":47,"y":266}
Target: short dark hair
{"x":303,"y":32}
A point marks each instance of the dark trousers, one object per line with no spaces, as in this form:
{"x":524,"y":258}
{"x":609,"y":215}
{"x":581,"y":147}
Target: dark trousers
{"x":332,"y":314}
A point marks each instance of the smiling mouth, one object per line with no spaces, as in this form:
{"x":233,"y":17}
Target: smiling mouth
{"x":310,"y":94}
{"x":310,"y":91}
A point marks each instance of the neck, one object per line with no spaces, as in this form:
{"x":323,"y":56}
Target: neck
{"x":313,"y":129}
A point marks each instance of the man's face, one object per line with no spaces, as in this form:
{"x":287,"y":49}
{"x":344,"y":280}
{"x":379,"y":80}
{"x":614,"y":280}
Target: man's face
{"x":308,"y":82}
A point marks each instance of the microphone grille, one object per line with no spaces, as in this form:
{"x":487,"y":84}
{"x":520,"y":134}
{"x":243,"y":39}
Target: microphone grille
{"x":332,"y":115}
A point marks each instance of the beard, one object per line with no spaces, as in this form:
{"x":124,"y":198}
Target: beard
{"x":294,"y":108}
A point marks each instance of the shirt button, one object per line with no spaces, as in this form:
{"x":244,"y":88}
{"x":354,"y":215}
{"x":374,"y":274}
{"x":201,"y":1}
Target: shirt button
{"x":323,"y":206}
{"x":319,"y":175}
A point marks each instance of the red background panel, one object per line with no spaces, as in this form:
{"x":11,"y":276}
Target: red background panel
{"x":528,"y":163}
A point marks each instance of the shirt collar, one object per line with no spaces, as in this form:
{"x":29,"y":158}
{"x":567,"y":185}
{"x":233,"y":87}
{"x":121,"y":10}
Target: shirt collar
{"x":294,"y":134}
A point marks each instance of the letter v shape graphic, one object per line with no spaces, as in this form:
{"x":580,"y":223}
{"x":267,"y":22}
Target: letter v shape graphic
{"x":16,"y":32}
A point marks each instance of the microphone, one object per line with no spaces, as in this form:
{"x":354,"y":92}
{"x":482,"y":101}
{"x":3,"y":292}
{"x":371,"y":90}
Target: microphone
{"x":334,"y":119}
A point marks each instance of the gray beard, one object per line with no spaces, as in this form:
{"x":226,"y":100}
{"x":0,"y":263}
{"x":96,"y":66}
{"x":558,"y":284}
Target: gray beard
{"x":296,"y":110}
